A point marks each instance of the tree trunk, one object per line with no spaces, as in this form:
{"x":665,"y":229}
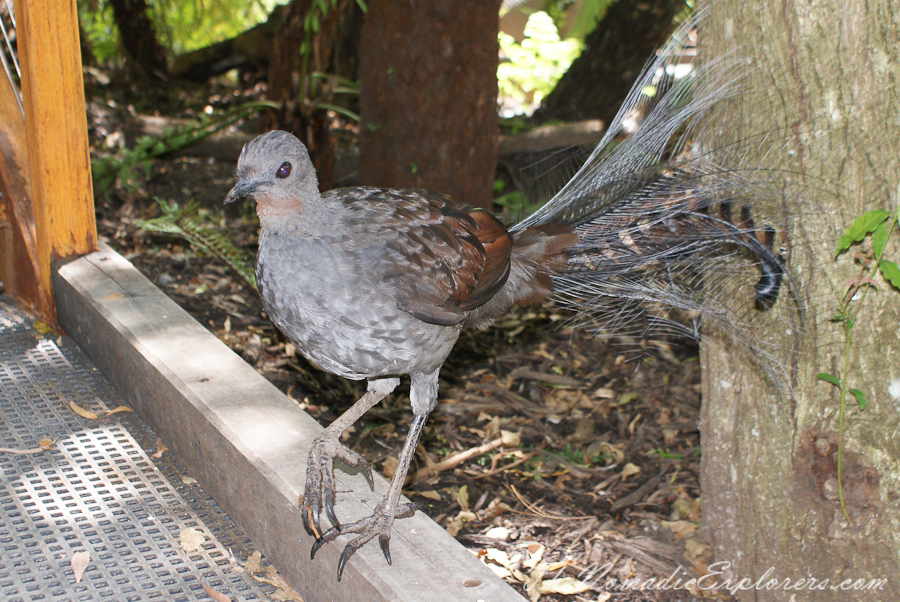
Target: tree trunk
{"x":291,"y":83}
{"x":147,"y":57}
{"x":828,"y":81}
{"x":614,"y":53}
{"x":428,"y":95}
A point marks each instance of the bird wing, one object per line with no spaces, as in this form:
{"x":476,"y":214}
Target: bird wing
{"x":440,"y":258}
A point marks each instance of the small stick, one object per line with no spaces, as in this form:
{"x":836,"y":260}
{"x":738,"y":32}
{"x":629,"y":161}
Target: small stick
{"x":457,"y":459}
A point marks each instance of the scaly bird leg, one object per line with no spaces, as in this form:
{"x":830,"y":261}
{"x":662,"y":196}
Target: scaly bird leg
{"x":388,"y":509}
{"x":326,"y":448}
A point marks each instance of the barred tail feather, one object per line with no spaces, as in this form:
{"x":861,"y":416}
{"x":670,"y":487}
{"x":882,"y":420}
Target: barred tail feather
{"x":667,"y":229}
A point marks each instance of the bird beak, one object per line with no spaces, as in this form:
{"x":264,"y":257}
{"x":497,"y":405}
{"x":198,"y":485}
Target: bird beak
{"x":241,"y":189}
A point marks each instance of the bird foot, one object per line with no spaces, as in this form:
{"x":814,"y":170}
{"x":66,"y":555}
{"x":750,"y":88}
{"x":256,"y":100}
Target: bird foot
{"x":379,"y":523}
{"x":319,"y":489}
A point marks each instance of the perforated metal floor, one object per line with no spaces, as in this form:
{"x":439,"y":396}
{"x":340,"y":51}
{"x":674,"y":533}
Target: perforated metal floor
{"x":98,"y":490}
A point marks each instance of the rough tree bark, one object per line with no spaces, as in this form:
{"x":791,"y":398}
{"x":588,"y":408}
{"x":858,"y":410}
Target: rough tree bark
{"x":147,"y":57}
{"x":614,"y":53}
{"x":291,"y":86}
{"x":827,"y":77}
{"x":428,"y":95}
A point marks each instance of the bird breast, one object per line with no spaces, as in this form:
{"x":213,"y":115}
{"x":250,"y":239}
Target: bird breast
{"x":324,"y":296}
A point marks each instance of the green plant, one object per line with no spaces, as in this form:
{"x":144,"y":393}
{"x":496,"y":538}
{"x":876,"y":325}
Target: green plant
{"x":531,"y":69}
{"x":331,"y":85}
{"x":121,"y":166}
{"x":181,"y":25}
{"x":318,"y":12}
{"x":515,"y":201}
{"x":188,"y":223}
{"x":878,"y":226}
{"x":664,"y":455}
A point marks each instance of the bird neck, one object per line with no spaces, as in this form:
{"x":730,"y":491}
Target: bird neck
{"x":278,"y":213}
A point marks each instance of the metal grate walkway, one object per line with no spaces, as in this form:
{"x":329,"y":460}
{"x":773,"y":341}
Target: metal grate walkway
{"x":98,"y":490}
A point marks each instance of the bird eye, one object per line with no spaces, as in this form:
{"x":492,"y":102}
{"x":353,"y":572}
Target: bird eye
{"x":283,"y":171}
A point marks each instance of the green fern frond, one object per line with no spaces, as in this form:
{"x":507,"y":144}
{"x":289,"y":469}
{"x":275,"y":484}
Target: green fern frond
{"x":120,"y":167}
{"x":187,"y":223}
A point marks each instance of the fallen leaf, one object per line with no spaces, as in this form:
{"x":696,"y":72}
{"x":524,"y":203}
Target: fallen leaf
{"x":81,"y":411}
{"x":217,"y":596}
{"x":626,"y":397}
{"x":41,"y":327}
{"x":694,"y":549}
{"x":431,"y":494}
{"x":389,"y":467}
{"x":457,"y":523}
{"x":462,"y":498}
{"x":555,"y":566}
{"x":566,"y":586}
{"x":500,"y":571}
{"x":283,"y":595}
{"x":285,"y":592}
{"x":668,"y":436}
{"x":535,"y":556}
{"x":686,"y":509}
{"x":80,"y":561}
{"x":533,"y":585}
{"x":495,"y":508}
{"x":510,"y":439}
{"x":604,"y":393}
{"x":501,"y":533}
{"x":628,"y":470}
{"x":498,"y":556}
{"x":252,"y":565}
{"x":43,"y":445}
{"x":160,"y":449}
{"x":632,"y":424}
{"x":190,"y":539}
{"x":119,"y":409}
{"x":188,"y":480}
{"x":680,"y":528}
{"x":615,"y":451}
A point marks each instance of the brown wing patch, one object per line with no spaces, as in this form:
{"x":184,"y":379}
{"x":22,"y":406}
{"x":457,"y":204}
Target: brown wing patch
{"x":442,"y":258}
{"x":497,"y":246}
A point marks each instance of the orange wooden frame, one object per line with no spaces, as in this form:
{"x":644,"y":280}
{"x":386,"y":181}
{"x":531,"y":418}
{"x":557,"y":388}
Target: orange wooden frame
{"x":47,"y":209}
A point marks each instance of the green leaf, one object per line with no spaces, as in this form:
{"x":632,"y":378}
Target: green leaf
{"x":586,"y":18}
{"x":890,"y":271}
{"x":860,"y":399}
{"x":860,"y":227}
{"x":879,"y":238}
{"x":828,"y":378}
{"x":327,"y":106}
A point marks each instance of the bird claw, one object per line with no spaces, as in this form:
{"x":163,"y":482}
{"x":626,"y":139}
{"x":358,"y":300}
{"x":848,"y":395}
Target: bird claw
{"x":379,"y":523}
{"x":319,"y":489}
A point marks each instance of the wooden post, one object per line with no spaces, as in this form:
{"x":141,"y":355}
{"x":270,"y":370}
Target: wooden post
{"x":56,"y":133}
{"x":19,"y":266}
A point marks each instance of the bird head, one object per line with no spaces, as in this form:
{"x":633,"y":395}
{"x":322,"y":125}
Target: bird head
{"x":275,"y":170}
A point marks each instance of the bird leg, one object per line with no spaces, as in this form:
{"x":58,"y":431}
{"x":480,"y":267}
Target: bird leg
{"x":382,"y":519}
{"x":326,"y":448}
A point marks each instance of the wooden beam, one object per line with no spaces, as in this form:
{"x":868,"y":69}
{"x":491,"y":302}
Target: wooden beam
{"x":56,"y":129}
{"x":24,"y":277}
{"x":247,"y":444}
